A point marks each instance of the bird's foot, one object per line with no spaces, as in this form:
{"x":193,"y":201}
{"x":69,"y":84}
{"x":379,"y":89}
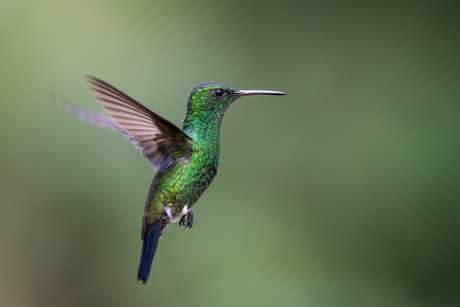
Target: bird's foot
{"x":187,"y":220}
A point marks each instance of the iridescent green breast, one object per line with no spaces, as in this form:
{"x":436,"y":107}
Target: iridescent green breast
{"x":182,"y":183}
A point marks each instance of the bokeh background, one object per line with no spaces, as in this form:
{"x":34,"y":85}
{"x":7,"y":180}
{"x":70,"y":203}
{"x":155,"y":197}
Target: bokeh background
{"x":346,"y":192}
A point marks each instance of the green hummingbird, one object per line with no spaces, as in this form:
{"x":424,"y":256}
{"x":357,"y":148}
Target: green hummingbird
{"x":186,"y":160}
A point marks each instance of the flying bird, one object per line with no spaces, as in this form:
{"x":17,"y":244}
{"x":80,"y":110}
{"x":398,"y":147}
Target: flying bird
{"x":186,"y":160}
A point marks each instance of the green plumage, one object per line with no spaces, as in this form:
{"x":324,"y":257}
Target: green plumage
{"x":186,"y":179}
{"x":186,"y":160}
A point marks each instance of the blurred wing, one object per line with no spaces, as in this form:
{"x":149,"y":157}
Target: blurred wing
{"x":159,"y":140}
{"x":92,"y":117}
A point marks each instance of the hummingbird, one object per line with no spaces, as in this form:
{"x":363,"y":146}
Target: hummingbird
{"x":185,"y":160}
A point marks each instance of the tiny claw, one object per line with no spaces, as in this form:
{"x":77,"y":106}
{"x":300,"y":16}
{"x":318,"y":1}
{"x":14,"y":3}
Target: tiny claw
{"x":186,"y":220}
{"x":190,"y":220}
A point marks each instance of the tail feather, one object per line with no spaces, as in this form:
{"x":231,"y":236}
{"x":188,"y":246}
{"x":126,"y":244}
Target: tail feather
{"x":148,"y":252}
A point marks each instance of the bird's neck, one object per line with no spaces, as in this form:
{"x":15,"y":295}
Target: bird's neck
{"x":204,"y":128}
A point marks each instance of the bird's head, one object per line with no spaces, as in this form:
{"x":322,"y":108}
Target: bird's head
{"x":216,"y":97}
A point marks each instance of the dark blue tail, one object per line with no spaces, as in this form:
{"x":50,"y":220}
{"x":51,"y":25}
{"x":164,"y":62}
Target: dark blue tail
{"x":148,"y":252}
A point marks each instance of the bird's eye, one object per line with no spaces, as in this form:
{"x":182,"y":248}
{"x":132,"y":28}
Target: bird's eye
{"x":218,"y":93}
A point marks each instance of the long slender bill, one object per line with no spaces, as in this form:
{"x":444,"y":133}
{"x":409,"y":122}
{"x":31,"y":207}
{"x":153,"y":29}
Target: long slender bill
{"x":257,"y":92}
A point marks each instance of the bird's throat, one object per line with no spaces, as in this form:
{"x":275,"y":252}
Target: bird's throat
{"x":204,"y":128}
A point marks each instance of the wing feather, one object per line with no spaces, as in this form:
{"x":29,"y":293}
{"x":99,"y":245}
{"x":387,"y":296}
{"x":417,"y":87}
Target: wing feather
{"x":159,"y":140}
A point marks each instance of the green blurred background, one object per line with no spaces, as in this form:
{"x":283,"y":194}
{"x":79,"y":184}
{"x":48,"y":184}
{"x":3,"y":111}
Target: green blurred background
{"x":343,"y":193}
